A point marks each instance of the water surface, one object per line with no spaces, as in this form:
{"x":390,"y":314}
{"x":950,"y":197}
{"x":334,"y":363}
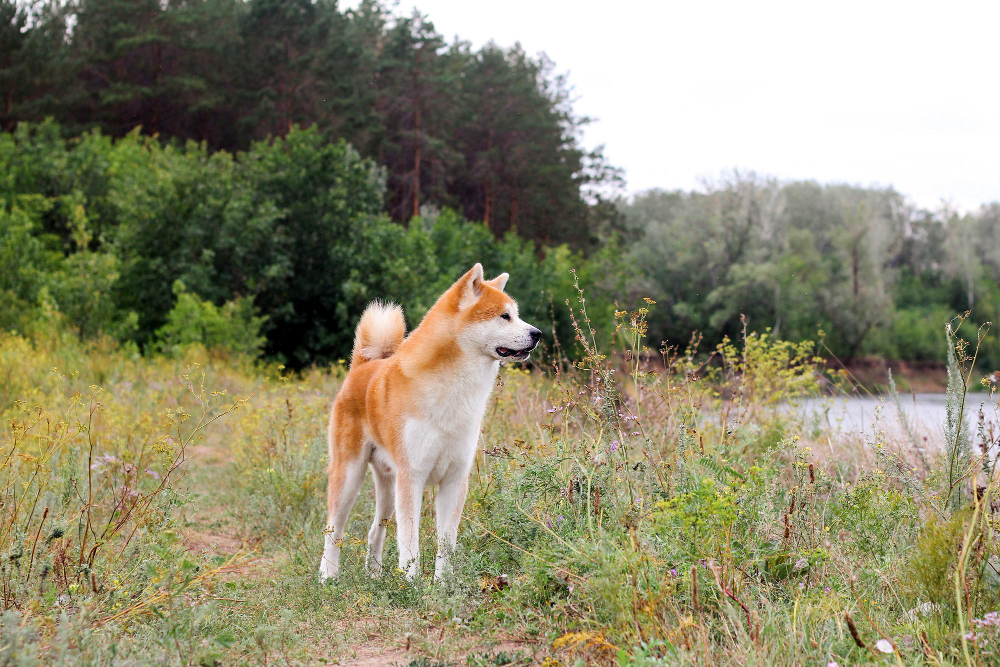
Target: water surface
{"x":925,"y":412}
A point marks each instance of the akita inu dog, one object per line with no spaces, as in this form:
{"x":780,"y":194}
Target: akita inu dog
{"x":411,"y":409}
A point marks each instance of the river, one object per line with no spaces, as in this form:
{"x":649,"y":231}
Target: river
{"x":866,"y":414}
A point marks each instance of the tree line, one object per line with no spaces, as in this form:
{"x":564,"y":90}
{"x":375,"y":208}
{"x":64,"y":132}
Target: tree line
{"x":252,"y":172}
{"x":864,"y":268}
{"x":273,"y":250}
{"x":489,"y":132}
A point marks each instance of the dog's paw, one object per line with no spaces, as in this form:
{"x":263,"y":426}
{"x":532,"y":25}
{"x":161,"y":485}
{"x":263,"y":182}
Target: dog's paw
{"x":374,"y":568}
{"x":327,"y":570}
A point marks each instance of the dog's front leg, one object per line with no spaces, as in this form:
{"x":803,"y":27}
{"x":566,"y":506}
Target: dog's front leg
{"x":409,"y":492}
{"x":448,"y":508}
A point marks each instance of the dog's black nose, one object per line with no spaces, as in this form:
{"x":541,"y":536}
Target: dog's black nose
{"x":535,"y":334}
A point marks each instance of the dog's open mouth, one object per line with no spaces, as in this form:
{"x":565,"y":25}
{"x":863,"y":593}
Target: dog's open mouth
{"x":508,"y":353}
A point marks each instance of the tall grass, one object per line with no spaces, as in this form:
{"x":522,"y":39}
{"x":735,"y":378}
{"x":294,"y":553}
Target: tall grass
{"x":635,"y":506}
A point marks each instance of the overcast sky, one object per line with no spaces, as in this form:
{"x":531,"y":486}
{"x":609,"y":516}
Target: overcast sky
{"x":902,"y":94}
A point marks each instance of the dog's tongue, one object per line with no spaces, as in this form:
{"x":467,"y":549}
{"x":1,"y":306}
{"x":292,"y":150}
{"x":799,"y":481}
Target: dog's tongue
{"x":503,"y":351}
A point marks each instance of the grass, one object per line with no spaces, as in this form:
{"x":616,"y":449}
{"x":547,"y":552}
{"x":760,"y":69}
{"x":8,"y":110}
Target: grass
{"x":626,"y":508}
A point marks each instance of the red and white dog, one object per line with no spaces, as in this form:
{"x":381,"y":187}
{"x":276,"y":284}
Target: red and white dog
{"x":411,"y":409}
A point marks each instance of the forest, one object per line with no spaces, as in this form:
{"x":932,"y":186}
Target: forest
{"x":198,"y":198}
{"x":257,"y":156}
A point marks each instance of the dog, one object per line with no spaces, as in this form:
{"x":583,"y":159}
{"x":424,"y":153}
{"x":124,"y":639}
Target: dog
{"x":411,"y":409}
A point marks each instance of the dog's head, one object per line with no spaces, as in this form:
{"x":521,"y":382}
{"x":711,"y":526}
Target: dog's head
{"x":489,"y":321}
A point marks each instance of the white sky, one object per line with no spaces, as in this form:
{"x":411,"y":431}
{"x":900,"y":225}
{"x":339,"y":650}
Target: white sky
{"x":890,"y":93}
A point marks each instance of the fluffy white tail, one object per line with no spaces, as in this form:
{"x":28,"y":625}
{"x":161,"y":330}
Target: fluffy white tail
{"x":379,"y":332}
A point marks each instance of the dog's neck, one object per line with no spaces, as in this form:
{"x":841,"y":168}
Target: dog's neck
{"x":458,"y":392}
{"x":426,"y":353}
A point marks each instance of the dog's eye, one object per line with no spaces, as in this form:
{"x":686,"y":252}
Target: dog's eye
{"x":505,"y":316}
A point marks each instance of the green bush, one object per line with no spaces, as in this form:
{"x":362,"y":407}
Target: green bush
{"x":192,"y":321}
{"x":26,"y":260}
{"x":914,"y":334}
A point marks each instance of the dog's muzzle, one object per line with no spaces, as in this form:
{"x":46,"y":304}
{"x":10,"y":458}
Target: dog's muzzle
{"x":521,"y":354}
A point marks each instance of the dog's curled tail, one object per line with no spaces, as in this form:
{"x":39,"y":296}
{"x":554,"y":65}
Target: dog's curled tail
{"x":379,"y":332}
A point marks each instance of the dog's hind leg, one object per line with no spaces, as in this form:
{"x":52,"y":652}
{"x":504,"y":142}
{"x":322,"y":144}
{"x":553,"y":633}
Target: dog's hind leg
{"x":385,"y":498}
{"x":347,"y":472}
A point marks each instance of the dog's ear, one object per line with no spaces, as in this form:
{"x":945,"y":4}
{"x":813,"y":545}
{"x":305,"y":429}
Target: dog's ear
{"x":499,"y":282}
{"x":472,"y":286}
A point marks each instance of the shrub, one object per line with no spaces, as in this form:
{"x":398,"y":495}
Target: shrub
{"x":192,"y":321}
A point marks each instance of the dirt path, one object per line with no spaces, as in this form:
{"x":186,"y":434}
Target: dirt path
{"x":206,"y":529}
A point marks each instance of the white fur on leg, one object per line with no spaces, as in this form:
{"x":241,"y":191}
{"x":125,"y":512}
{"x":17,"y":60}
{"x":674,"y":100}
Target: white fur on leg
{"x":329,"y":564}
{"x":408,"y":496}
{"x":448,"y":507}
{"x":384,"y":507}
{"x":353,"y":476}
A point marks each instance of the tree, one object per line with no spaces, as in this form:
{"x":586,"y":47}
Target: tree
{"x":523,"y":168}
{"x":795,"y":257}
{"x":962,"y":254}
{"x":490,"y":132}
{"x":33,"y":66}
{"x":417,"y":99}
{"x":157,"y":65}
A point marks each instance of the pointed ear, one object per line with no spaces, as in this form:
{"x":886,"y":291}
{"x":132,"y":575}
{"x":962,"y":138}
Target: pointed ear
{"x":471,"y":286}
{"x":499,"y":282}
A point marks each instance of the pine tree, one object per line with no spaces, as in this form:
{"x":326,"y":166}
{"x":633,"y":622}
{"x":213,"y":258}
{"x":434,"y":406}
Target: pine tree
{"x":279,"y":81}
{"x":488,"y":132}
{"x":524,"y":169}
{"x":416,"y":103}
{"x":33,"y":66}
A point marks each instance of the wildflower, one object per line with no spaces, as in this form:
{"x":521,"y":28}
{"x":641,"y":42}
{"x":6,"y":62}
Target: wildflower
{"x":103,"y":460}
{"x":885,"y":646}
{"x":990,"y":619}
{"x":673,"y":572}
{"x":613,"y":447}
{"x":552,"y":410}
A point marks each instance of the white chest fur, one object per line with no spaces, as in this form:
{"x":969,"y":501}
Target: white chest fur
{"x":440,"y":440}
